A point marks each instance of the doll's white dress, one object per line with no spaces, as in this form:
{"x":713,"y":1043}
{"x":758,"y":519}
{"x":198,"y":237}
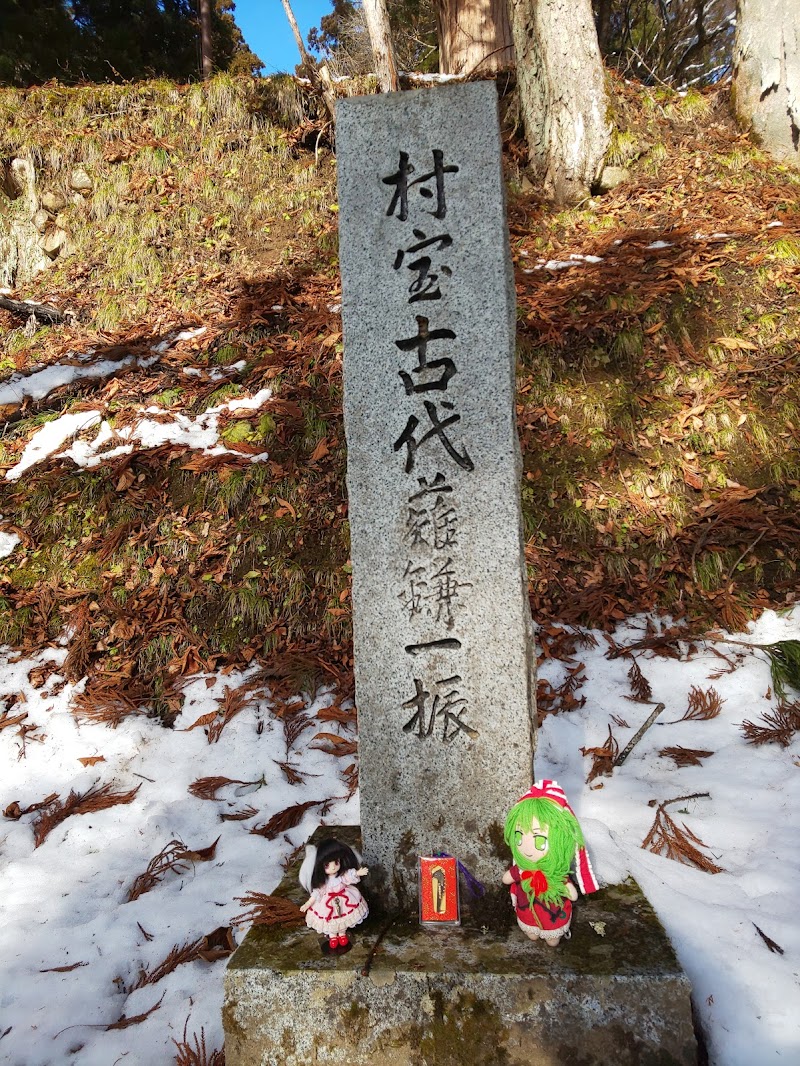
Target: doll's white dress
{"x":337,"y":905}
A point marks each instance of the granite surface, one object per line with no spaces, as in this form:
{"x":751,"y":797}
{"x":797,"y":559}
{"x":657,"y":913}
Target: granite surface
{"x":443,"y":650}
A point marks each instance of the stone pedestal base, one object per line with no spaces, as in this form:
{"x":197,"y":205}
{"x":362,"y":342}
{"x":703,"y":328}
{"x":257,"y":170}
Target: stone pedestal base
{"x":407,"y":996}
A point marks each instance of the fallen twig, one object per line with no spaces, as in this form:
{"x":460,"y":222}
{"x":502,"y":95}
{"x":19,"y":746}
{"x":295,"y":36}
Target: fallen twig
{"x":44,"y":312}
{"x":637,"y":736}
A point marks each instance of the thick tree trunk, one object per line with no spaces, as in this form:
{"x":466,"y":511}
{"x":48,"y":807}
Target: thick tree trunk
{"x":766,"y":79}
{"x":474,"y":35}
{"x":562,"y":94}
{"x":206,"y":54}
{"x":380,"y":36}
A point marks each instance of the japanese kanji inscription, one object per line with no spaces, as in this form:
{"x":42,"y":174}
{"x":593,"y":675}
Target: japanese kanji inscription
{"x":443,"y":649}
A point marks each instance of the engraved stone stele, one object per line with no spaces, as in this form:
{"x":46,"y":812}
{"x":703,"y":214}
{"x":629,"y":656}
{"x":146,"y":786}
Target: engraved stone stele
{"x":443,"y":648}
{"x":444,"y":673}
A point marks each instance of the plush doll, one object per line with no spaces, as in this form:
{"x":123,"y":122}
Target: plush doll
{"x":335,"y":904}
{"x":546,"y":843}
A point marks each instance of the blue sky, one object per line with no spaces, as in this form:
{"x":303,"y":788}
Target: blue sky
{"x":266,"y":29}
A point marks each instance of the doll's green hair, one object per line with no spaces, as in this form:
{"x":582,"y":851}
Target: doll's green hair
{"x":564,"y":836}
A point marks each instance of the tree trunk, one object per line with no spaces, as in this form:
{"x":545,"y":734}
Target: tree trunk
{"x":320,"y":85}
{"x":562,"y":94}
{"x":766,"y":79}
{"x":380,"y":36}
{"x":474,"y":35}
{"x":206,"y":53}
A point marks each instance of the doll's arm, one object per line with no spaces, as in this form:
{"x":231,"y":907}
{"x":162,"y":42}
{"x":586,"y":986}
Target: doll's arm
{"x":307,"y":904}
{"x":572,"y":891}
{"x":507,"y":878}
{"x":362,"y":872}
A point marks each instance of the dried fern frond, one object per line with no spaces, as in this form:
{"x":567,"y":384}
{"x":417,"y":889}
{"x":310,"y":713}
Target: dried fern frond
{"x":197,"y":1055}
{"x":350,"y":778}
{"x":335,"y":713}
{"x":238,"y":816}
{"x":233,"y":702}
{"x":672,"y":841}
{"x":640,"y":686}
{"x":98,"y":798}
{"x":265,"y":909}
{"x":109,"y":705}
{"x":180,"y":954}
{"x":703,"y":706}
{"x":287,"y":819}
{"x":171,"y":857}
{"x":774,"y":727}
{"x":603,"y":758}
{"x":685,"y":756}
{"x":294,"y":725}
{"x":206,"y":788}
{"x":124,"y":1022}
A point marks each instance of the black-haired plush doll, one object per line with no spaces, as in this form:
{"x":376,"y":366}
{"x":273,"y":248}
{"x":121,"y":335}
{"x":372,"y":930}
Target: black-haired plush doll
{"x":335,"y":904}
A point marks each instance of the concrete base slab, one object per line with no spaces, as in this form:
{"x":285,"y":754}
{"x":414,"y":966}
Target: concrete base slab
{"x":469,"y":996}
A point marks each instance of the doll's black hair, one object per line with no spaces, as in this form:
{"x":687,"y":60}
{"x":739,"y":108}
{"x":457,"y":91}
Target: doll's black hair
{"x":332,"y":851}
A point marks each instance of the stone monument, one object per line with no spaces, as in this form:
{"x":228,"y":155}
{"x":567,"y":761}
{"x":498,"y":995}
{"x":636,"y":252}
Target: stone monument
{"x":443,"y":647}
{"x":444,"y":657}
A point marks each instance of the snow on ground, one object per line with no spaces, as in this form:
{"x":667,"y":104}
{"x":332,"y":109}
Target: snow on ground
{"x":64,"y":903}
{"x":200,"y":433}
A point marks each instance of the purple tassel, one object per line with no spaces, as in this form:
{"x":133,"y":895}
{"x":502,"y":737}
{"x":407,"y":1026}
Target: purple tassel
{"x":474,"y":886}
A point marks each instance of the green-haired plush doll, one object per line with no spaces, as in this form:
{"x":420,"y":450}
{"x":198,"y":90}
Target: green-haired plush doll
{"x":549,"y":854}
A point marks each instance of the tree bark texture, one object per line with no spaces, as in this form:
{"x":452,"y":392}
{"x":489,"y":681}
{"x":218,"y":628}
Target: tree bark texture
{"x":380,"y":35}
{"x":474,"y":36}
{"x":562,"y":94}
{"x":206,"y":52}
{"x":766,"y":79}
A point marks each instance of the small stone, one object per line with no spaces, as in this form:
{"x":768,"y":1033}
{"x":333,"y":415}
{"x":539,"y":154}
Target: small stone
{"x":80,"y":181}
{"x":41,"y":220}
{"x":53,"y":242}
{"x":612,"y":177}
{"x":52,"y":201}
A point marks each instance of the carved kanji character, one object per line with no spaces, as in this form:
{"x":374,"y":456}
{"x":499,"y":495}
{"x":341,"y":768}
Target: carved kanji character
{"x":402,"y":184}
{"x":420,"y":342}
{"x":438,"y":430}
{"x":424,"y":286}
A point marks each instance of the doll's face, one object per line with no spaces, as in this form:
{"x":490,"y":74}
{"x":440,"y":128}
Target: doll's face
{"x":332,"y":868}
{"x":534,"y":843}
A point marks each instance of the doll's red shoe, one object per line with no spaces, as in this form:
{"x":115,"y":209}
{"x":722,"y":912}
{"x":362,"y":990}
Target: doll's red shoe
{"x":343,"y":941}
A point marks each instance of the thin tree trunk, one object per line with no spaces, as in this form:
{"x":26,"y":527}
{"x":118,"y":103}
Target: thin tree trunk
{"x":206,"y":52}
{"x":380,"y":36}
{"x":562,"y":92}
{"x":320,"y":86}
{"x":766,"y":78}
{"x":474,"y":35}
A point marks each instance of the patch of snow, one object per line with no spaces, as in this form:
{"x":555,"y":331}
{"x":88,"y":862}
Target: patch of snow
{"x":42,"y":382}
{"x":587,"y":258}
{"x":193,"y":371}
{"x":772,"y":225}
{"x":65,"y":902}
{"x":557,"y":264}
{"x":184,"y":335}
{"x":277,"y":307}
{"x":660,"y":244}
{"x":334,"y":308}
{"x":50,"y":438}
{"x":8,"y":542}
{"x":200,"y":433}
